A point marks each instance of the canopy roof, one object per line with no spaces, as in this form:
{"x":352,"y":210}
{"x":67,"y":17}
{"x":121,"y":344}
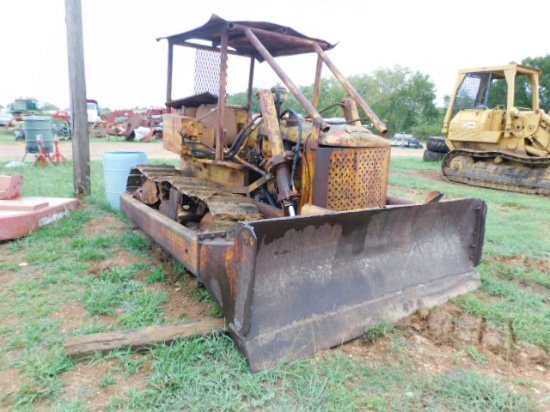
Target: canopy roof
{"x":278,"y":40}
{"x":498,"y":71}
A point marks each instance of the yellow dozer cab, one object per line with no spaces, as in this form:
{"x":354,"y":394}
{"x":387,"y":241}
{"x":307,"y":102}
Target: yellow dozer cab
{"x":284,"y":217}
{"x":494,"y":143}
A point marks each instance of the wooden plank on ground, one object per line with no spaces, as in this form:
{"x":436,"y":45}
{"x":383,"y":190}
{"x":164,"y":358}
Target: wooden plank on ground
{"x":140,"y":338}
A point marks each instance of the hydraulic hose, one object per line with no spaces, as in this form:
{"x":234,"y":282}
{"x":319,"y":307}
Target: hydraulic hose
{"x":298,"y":143}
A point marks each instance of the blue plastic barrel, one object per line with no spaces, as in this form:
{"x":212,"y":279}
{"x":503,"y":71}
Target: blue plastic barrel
{"x":116,"y":170}
{"x":38,"y":128}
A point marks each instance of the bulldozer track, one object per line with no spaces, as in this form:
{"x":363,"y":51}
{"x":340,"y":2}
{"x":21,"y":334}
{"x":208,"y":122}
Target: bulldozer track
{"x":188,"y":199}
{"x":533,"y":178}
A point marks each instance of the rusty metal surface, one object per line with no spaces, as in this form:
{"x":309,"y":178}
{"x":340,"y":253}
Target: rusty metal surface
{"x":352,"y":136}
{"x":186,"y":199}
{"x":280,"y":161}
{"x":179,"y":241}
{"x":309,"y":283}
{"x":357,"y":178}
{"x":291,"y":286}
{"x":283,"y":41}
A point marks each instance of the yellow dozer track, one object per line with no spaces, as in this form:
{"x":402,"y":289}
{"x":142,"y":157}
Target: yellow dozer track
{"x":493,"y":142}
{"x":285,"y":218}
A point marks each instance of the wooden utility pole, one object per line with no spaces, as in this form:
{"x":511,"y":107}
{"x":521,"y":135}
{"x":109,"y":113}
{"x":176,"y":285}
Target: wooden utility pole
{"x":77,"y":82}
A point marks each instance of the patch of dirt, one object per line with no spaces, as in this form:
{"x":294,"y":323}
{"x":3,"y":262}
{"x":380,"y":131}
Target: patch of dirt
{"x":434,"y":175}
{"x":445,"y":337}
{"x":7,"y":276}
{"x":72,"y":315}
{"x":108,"y":225}
{"x":122,"y":259}
{"x":96,"y":384}
{"x":181,"y":290}
{"x":14,"y":151}
{"x":10,"y":381}
{"x":541,"y":264}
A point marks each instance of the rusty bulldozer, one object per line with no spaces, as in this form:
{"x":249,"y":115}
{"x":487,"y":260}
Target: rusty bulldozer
{"x":286,"y":218}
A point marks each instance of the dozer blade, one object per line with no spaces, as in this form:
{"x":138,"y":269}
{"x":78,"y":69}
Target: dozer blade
{"x":291,"y":286}
{"x":313,"y":282}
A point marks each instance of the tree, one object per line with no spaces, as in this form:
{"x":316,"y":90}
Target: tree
{"x":403,"y":99}
{"x":542,"y":63}
{"x":241,"y":99}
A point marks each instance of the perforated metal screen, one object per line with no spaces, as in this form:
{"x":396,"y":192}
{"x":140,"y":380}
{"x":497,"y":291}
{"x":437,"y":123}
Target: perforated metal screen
{"x":358,"y":178}
{"x":207,"y":71}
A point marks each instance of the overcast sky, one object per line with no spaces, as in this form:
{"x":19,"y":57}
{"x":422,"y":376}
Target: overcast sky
{"x":126,"y":66}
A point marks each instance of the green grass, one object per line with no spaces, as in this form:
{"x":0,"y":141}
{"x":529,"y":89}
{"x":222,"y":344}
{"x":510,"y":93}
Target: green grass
{"x":58,"y":266}
{"x":382,"y":329}
{"x":156,"y":275}
{"x":521,"y":274}
{"x":463,"y":390}
{"x":116,"y":291}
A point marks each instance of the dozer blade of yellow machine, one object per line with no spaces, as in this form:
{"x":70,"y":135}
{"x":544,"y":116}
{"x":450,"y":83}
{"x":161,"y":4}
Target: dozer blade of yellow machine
{"x":292,"y":286}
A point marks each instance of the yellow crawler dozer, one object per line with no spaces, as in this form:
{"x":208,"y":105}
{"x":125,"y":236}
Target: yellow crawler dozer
{"x":494,"y":143}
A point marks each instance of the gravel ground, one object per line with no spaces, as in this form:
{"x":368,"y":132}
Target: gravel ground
{"x":16,"y":150}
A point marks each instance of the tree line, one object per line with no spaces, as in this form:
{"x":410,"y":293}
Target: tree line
{"x":402,"y":98}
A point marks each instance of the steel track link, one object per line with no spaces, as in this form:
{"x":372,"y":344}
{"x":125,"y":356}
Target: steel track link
{"x":533,"y":177}
{"x":179,"y":194}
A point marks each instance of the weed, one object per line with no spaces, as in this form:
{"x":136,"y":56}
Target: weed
{"x":216,"y":311}
{"x":127,"y":361}
{"x":90,"y":249}
{"x":35,"y":333}
{"x":107,"y":380}
{"x":64,"y":272}
{"x":381,"y":329}
{"x":115,"y":289}
{"x":142,"y":308}
{"x":12,"y":267}
{"x":134,"y":242}
{"x":72,"y":405}
{"x":102,"y":298}
{"x":41,"y":369}
{"x":156,"y":275}
{"x":526,"y":312}
{"x":465,"y":390}
{"x":32,"y":392}
{"x":476,"y":355}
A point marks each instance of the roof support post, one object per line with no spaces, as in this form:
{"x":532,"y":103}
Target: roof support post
{"x":317,"y":84}
{"x":220,"y":135}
